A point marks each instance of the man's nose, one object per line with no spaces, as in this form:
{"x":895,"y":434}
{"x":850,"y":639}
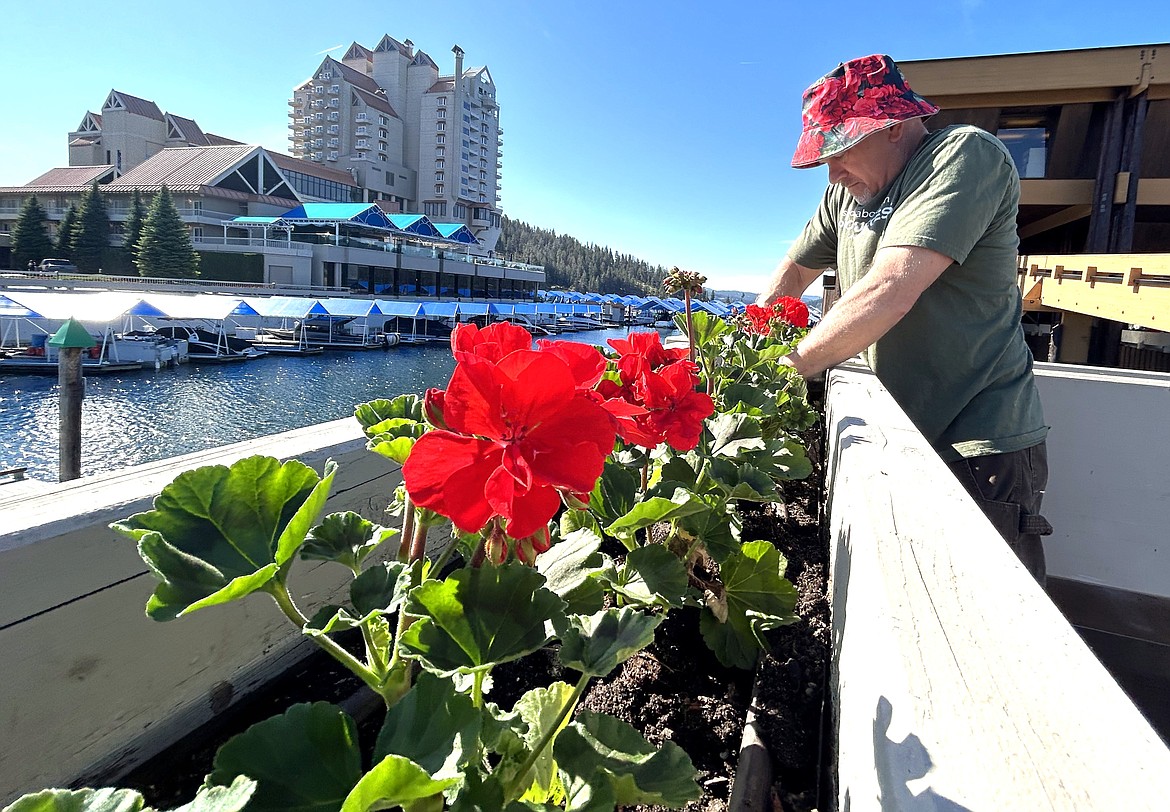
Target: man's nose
{"x":836,"y":172}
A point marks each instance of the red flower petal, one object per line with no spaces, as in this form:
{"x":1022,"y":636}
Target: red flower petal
{"x":448,"y":474}
{"x":585,"y":362}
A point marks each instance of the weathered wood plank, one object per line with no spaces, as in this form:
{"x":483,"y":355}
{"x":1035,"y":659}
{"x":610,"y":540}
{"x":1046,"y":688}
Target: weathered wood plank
{"x":88,"y":684}
{"x":956,"y":682}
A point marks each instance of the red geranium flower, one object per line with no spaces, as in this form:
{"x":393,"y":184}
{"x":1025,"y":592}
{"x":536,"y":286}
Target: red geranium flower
{"x":676,"y":410}
{"x":585,"y":361}
{"x":518,"y":432}
{"x":792,"y":310}
{"x":492,"y":342}
{"x":759,"y":319}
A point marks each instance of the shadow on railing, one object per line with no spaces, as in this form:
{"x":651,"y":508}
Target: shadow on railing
{"x":942,"y":639}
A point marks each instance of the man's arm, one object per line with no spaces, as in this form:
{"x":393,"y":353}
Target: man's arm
{"x":789,"y":279}
{"x":868,"y":310}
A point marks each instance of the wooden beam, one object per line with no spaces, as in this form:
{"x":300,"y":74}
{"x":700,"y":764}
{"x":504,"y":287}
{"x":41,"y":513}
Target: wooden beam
{"x":1125,"y":288}
{"x":1045,"y":192}
{"x":1060,"y":218}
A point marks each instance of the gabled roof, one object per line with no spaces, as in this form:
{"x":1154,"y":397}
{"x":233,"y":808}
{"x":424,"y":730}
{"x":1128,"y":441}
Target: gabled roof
{"x":442,"y":86}
{"x":214,"y":140}
{"x":354,"y":77}
{"x":244,"y":171}
{"x":117,"y":100}
{"x":421,"y":58}
{"x":73,"y":176}
{"x":358,"y":51}
{"x":389,"y":44}
{"x":92,"y":123}
{"x":187,"y":130}
{"x":377,"y":102}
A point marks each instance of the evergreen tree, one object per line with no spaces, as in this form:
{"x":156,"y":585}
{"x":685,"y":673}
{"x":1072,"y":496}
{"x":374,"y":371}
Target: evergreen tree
{"x":132,"y":229}
{"x":165,"y":248}
{"x":30,"y":239}
{"x":570,"y":264}
{"x":93,"y":231}
{"x":67,"y":233}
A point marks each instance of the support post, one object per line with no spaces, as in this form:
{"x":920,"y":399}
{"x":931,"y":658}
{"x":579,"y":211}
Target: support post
{"x":70,"y":340}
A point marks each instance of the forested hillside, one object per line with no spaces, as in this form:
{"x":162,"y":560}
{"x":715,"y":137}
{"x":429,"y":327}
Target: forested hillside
{"x":569,"y":264}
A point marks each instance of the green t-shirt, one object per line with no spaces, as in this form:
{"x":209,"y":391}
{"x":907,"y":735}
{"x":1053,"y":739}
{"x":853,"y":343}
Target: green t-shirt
{"x":957,"y":363}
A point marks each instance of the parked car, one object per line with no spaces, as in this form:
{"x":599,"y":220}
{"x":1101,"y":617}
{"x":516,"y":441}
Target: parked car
{"x":56,"y":266}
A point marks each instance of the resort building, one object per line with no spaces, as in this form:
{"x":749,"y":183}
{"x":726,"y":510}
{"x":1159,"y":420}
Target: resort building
{"x":379,"y":127}
{"x":425,"y":142}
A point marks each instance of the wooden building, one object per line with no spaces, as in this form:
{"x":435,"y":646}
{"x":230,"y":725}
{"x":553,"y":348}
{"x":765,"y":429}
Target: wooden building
{"x":1090,"y":134}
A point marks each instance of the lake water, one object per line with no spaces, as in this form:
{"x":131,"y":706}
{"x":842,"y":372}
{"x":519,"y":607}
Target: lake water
{"x":152,"y":415}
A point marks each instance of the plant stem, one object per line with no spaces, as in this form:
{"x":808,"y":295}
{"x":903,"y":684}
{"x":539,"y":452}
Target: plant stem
{"x":418,"y":544}
{"x":407,"y":528}
{"x":477,"y":688}
{"x":546,"y":739}
{"x":690,"y":326}
{"x":284,"y":600}
{"x":377,"y":664}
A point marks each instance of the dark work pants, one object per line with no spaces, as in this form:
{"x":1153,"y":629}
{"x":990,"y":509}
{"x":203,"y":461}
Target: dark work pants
{"x":1008,"y":489}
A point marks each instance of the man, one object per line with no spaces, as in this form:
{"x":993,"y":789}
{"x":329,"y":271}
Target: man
{"x":921,"y":227}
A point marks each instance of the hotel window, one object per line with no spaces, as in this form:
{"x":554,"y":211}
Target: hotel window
{"x":438,"y":176}
{"x":382,"y":158}
{"x":383,"y":120}
{"x":362,"y":143}
{"x":440,"y":126}
{"x":438,"y":188}
{"x":361,"y":130}
{"x":440,"y":151}
{"x":440,"y":138}
{"x":439,"y":164}
{"x":442,"y":101}
{"x":1027,"y":134}
{"x":441,"y":113}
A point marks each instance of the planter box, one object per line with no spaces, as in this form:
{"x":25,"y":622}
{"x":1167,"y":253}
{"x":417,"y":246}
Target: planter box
{"x":956,"y":682}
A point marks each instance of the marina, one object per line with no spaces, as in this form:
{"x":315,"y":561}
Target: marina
{"x":135,"y":417}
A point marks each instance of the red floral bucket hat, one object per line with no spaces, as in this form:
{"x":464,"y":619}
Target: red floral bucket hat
{"x":857,"y":99}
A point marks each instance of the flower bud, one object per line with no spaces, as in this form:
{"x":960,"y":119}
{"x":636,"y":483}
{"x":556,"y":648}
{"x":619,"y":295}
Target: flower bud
{"x":434,"y":403}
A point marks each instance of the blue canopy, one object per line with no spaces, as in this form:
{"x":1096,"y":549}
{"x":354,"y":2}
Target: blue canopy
{"x":366,"y":214}
{"x":440,"y":309}
{"x":390,"y":307}
{"x":457,"y":232}
{"x":418,"y":224}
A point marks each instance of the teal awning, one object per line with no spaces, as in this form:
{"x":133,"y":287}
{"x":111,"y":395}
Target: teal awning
{"x":457,"y":232}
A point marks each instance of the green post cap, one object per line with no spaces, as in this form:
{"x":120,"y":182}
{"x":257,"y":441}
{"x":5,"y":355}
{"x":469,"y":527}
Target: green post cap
{"x":71,"y":335}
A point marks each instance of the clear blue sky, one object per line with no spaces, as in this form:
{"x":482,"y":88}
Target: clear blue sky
{"x":662,"y":129}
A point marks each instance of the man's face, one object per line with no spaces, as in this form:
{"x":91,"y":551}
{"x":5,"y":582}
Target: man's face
{"x":868,"y":166}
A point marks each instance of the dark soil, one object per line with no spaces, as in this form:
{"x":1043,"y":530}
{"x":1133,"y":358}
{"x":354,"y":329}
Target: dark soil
{"x":674,"y":690}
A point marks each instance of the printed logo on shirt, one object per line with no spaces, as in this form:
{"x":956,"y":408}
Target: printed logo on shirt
{"x":860,"y":217}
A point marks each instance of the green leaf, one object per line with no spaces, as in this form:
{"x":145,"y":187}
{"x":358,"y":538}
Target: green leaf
{"x":637,"y":772}
{"x":217,"y":533}
{"x":574,"y":520}
{"x":708,"y":329}
{"x":539,"y":709}
{"x":381,"y":588}
{"x":392,"y":425}
{"x":394,"y":781}
{"x":733,"y":433}
{"x":331,"y":619}
{"x":81,"y":800}
{"x":592,"y":794}
{"x":756,"y":596}
{"x":655,"y":510}
{"x":307,"y":759}
{"x":597,"y":644}
{"x":615,"y":493}
{"x":478,"y":618}
{"x":346,"y":538}
{"x":570,"y":562}
{"x":740,"y":480}
{"x":222,"y":799}
{"x":652,"y":576}
{"x":374,"y":414}
{"x":714,"y":529}
{"x":433,"y":725}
